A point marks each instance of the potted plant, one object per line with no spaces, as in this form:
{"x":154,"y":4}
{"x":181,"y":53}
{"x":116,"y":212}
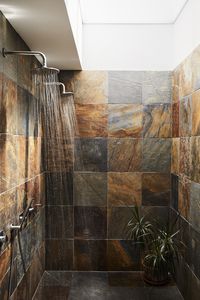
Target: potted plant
{"x":159,"y":245}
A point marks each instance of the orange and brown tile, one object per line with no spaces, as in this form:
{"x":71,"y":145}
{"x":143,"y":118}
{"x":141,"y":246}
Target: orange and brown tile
{"x":185,"y":122}
{"x":124,"y":189}
{"x":175,"y":119}
{"x":92,"y":120}
{"x":175,"y":155}
{"x":195,"y":113}
{"x":184,"y":196}
{"x":185,"y":156}
{"x":91,"y":87}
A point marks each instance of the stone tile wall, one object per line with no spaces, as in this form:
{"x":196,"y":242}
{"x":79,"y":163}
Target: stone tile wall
{"x":21,"y":177}
{"x":122,"y":156}
{"x":185,"y":169}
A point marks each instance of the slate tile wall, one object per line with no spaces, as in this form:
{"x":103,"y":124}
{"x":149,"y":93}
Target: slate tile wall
{"x":185,"y":169}
{"x":122,"y":155}
{"x":21,"y":177}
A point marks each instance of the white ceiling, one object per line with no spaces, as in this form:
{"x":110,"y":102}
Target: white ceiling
{"x":131,"y":11}
{"x":45,"y":26}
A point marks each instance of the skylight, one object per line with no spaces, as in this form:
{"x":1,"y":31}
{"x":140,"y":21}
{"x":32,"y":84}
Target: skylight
{"x":131,"y":11}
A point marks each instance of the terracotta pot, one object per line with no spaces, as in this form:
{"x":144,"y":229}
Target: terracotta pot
{"x":153,"y":277}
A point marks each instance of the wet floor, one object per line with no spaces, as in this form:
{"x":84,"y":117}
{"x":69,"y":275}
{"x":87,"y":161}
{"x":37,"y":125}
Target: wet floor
{"x":101,"y":285}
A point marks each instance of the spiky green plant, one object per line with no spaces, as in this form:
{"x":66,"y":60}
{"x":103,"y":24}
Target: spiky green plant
{"x":160,"y":244}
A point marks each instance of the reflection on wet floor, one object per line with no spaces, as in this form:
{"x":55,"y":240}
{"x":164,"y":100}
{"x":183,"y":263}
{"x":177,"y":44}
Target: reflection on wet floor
{"x":56,"y":285}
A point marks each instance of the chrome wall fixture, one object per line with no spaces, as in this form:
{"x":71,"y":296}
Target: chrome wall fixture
{"x":6,"y":52}
{"x":63,"y":91}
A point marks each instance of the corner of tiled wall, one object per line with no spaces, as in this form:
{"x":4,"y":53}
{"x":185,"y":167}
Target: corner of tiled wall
{"x":21,"y":177}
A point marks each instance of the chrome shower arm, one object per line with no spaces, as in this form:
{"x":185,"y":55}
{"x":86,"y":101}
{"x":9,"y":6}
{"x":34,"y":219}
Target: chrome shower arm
{"x":63,"y":89}
{"x":28,"y":53}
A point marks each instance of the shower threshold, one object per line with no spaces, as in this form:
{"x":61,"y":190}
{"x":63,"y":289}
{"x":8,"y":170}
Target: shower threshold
{"x":62,"y":285}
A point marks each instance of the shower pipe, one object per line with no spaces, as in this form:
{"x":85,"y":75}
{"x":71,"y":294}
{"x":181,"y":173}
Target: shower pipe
{"x":63,"y":91}
{"x":30,"y":53}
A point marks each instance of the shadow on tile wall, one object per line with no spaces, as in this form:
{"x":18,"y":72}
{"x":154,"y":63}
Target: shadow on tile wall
{"x":21,"y":177}
{"x":121,"y":152}
{"x":185,"y":169}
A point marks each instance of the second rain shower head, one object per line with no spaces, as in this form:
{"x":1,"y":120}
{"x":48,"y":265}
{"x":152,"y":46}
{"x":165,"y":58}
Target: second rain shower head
{"x":44,"y":66}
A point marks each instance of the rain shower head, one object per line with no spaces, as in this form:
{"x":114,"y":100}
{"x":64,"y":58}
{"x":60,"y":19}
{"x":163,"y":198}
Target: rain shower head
{"x":44,"y":66}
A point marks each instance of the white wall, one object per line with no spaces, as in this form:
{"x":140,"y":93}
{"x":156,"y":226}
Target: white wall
{"x":127,"y":47}
{"x":74,"y":12}
{"x":187,"y":31}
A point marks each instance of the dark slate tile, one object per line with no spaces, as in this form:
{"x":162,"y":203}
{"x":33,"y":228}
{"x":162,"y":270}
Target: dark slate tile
{"x":123,"y":255}
{"x":118,"y":293}
{"x":175,"y":119}
{"x":59,"y":254}
{"x":89,"y":285}
{"x":174,"y":191}
{"x":152,"y":162}
{"x":90,"y":255}
{"x":186,"y":116}
{"x":155,"y":189}
{"x":125,"y":120}
{"x":194,"y":251}
{"x":125,"y":279}
{"x":157,"y":87}
{"x":118,"y":218}
{"x":59,"y":222}
{"x":59,"y":188}
{"x":52,"y":292}
{"x":90,"y":222}
{"x":10,"y":39}
{"x":157,"y":121}
{"x":194,"y":215}
{"x":91,"y":155}
{"x":56,"y":278}
{"x":195,"y":163}
{"x":125,"y":87}
{"x":187,"y":282}
{"x":165,"y":293}
{"x":156,"y":214}
{"x":124,"y":155}
{"x":90,"y":189}
{"x":22,"y":113}
{"x":124,"y":189}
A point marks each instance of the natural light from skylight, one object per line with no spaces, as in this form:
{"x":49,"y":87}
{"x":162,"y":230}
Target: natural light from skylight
{"x":131,"y":11}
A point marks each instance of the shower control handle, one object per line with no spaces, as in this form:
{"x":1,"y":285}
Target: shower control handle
{"x":3,"y":238}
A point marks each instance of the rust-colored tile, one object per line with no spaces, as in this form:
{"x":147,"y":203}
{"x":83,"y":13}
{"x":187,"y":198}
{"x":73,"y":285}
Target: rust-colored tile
{"x":125,"y":120}
{"x":185,"y":156}
{"x":175,"y":155}
{"x":4,"y":262}
{"x":157,"y":120}
{"x":34,"y":156}
{"x":196,"y":69}
{"x":124,"y":189}
{"x":185,"y":79}
{"x":155,"y":189}
{"x":91,"y":87}
{"x":8,"y":107}
{"x":196,"y":113}
{"x":195,"y":153}
{"x":184,"y":196}
{"x":92,"y":120}
{"x":185,"y":116}
{"x":124,"y":155}
{"x":175,"y":119}
{"x":8,"y":162}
